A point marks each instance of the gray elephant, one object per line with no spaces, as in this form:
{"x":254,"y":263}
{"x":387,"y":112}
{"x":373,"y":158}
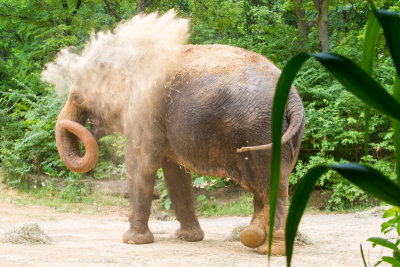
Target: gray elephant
{"x":213,"y":100}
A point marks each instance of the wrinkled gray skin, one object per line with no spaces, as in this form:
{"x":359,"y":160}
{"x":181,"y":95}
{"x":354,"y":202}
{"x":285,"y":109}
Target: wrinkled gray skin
{"x":218,"y":100}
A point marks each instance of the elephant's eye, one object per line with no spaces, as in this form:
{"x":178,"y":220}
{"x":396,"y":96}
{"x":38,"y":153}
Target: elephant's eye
{"x":77,"y":98}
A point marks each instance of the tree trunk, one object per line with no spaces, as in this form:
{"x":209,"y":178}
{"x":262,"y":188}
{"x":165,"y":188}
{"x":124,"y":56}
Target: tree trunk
{"x":141,"y":6}
{"x":323,"y":33}
{"x":112,"y":11}
{"x":321,"y":19}
{"x":302,"y":24}
{"x":77,"y":6}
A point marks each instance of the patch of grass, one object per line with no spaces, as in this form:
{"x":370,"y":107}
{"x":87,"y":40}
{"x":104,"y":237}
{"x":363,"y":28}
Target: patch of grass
{"x":101,"y":202}
{"x":27,"y":234}
{"x":241,"y":207}
{"x":64,"y":201}
{"x":75,"y":191}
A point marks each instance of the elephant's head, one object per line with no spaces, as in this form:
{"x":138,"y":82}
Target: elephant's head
{"x":70,"y":128}
{"x":114,"y":83}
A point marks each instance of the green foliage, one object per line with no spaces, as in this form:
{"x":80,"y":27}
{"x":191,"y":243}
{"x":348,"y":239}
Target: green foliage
{"x":29,"y":108}
{"x":240,"y":207}
{"x":209,"y":182}
{"x":258,"y":26}
{"x":335,"y":129}
{"x":359,"y":83}
{"x":209,"y":206}
{"x":75,"y":191}
{"x":32,"y":32}
{"x":391,"y":225}
{"x":205,"y":205}
{"x":112,"y":154}
{"x":30,"y":148}
{"x":160,"y":185}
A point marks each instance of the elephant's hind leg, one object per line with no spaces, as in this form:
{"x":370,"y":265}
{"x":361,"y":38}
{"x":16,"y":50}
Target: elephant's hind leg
{"x":180,"y":190}
{"x":278,"y":242}
{"x":253,"y":235}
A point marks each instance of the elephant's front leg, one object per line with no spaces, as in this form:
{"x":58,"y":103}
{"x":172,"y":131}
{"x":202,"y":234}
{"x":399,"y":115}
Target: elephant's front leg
{"x":141,"y":183}
{"x":180,"y":190}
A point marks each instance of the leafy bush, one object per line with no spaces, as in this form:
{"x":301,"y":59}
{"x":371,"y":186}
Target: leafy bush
{"x":335,"y":133}
{"x":32,"y":150}
{"x":391,"y":225}
{"x":343,"y":195}
{"x":160,"y":185}
{"x":28,"y":108}
{"x":75,"y":191}
{"x":204,"y":204}
{"x":112,"y":154}
{"x":335,"y":119}
{"x":29,"y":151}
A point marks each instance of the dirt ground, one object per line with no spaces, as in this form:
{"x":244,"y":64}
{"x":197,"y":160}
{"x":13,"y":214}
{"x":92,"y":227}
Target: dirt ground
{"x":95,"y":240}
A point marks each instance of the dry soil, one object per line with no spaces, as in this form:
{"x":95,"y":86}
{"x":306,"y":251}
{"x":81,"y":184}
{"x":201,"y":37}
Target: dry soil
{"x":95,"y":240}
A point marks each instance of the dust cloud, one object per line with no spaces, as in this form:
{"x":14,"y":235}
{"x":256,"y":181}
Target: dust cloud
{"x":121,"y":73}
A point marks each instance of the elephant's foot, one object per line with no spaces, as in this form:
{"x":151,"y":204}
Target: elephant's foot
{"x":278,"y":245}
{"x":252,"y":236}
{"x":190,"y":234}
{"x":130,"y":237}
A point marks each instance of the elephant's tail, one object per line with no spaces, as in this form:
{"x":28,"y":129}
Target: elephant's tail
{"x":296,"y":114}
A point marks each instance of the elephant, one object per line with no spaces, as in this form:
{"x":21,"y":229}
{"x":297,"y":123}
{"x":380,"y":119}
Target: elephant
{"x":214,"y":100}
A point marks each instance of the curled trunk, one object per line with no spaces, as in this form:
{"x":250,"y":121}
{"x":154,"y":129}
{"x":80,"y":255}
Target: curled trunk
{"x":68,"y":134}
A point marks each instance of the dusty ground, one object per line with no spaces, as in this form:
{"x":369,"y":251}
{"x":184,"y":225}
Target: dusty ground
{"x":95,"y":240}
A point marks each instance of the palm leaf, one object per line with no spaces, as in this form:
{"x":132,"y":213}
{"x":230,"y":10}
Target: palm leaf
{"x":396,"y":127}
{"x":368,"y":179}
{"x":390,"y":22}
{"x":370,"y":40}
{"x":281,"y":96}
{"x":351,"y":76}
{"x":357,"y":81}
{"x":368,"y":56}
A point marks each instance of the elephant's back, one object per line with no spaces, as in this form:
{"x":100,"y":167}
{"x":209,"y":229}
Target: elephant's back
{"x":213,"y":76}
{"x":224,"y":82}
{"x":199,"y":59}
{"x":220,"y":101}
